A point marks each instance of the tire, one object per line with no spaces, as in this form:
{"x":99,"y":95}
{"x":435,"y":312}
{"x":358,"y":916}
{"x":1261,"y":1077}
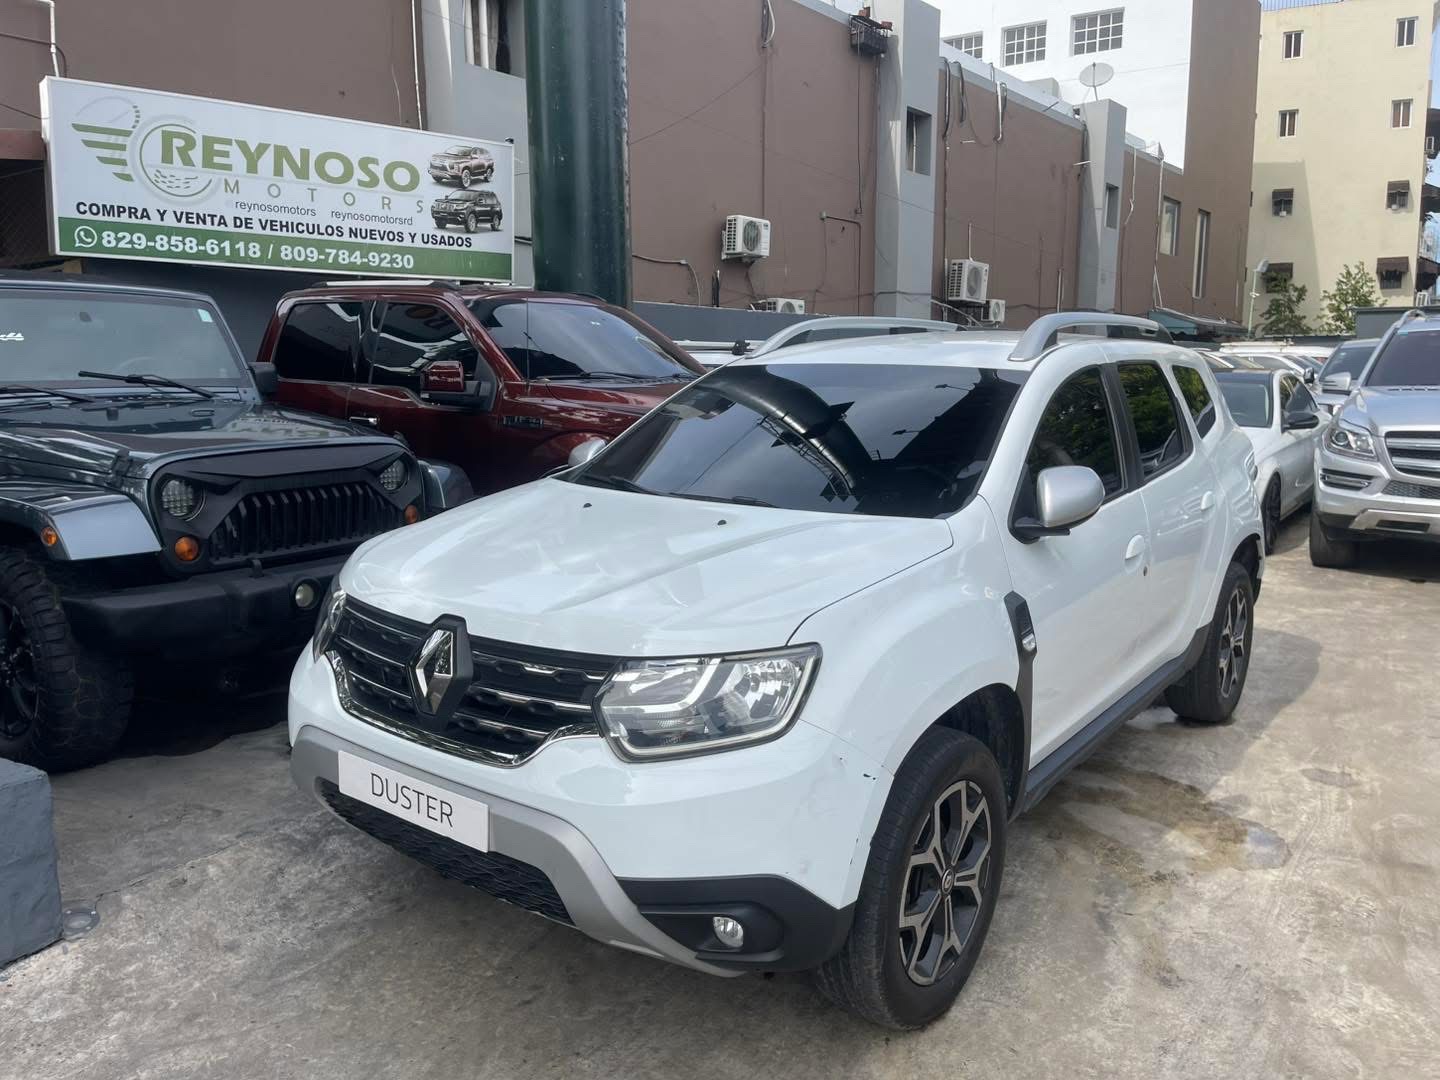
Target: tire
{"x":1270,"y":514}
{"x":904,"y":979}
{"x":1211,"y":689}
{"x":489,"y":172}
{"x":471,"y":225}
{"x":495,"y":222}
{"x":61,"y":705}
{"x":1333,"y":554}
{"x":466,"y":179}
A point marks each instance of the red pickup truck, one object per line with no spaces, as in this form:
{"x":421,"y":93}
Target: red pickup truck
{"x":503,"y":382}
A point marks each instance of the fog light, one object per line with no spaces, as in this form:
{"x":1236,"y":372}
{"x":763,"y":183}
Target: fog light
{"x":729,"y":932}
{"x":305,"y":595}
{"x":412,"y":514}
{"x":187,"y":549}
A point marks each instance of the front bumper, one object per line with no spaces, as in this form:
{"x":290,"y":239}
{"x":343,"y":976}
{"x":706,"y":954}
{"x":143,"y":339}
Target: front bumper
{"x":641,"y":856}
{"x":227,"y":613}
{"x":1362,"y":500}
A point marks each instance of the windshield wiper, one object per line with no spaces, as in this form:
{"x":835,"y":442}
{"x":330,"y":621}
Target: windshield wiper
{"x":144,"y":379}
{"x":22,"y":388}
{"x":617,"y":483}
{"x":738,"y":500}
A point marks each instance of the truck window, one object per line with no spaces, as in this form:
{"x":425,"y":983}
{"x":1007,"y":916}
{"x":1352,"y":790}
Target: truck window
{"x":318,"y":342}
{"x":411,"y":336}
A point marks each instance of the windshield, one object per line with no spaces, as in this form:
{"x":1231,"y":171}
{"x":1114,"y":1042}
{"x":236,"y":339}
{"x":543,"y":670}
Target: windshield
{"x":557,"y":340}
{"x":1348,"y":359}
{"x":457,"y":150}
{"x":880,"y":439}
{"x":1249,"y":401}
{"x":53,"y":336}
{"x":1411,"y":359}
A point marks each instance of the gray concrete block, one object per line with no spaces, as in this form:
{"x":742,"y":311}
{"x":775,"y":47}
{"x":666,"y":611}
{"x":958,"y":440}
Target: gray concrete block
{"x":29,"y":881}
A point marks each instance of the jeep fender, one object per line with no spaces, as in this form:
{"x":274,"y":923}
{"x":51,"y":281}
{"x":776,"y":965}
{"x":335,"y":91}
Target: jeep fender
{"x":90,"y":524}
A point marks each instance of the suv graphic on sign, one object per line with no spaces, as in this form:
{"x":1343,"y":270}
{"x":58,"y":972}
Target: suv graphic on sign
{"x":468,"y":208}
{"x":463,"y":165}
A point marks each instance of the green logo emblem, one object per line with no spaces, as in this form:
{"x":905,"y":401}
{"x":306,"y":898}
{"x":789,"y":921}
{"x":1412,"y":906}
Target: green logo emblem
{"x":105,"y":127}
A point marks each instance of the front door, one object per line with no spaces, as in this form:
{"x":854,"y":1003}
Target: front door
{"x":1297,"y":444}
{"x":315,"y":355}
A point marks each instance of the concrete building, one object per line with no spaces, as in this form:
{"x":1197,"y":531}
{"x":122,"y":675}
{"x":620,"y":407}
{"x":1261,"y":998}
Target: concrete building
{"x":1340,"y":162}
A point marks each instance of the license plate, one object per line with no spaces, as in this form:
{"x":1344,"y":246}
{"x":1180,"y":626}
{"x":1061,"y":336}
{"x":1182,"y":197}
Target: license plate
{"x":436,"y":809}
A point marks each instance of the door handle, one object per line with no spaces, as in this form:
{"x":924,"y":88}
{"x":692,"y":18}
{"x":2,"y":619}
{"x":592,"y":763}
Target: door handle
{"x":1207,"y":502}
{"x":1136,"y":548}
{"x":373,"y":421}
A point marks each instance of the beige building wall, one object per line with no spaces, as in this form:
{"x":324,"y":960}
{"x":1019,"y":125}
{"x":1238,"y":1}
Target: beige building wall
{"x":1344,"y":152}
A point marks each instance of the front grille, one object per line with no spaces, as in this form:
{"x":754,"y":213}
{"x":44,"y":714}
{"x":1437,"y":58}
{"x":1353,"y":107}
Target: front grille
{"x":1415,"y":451}
{"x":519,"y":699}
{"x":267,"y":523}
{"x":502,"y":877}
{"x":1406,"y":490}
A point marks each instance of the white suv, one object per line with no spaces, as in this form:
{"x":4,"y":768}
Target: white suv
{"x":761,"y":686}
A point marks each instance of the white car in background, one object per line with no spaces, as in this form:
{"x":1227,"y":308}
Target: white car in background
{"x":1280,"y":417}
{"x":826,"y":328}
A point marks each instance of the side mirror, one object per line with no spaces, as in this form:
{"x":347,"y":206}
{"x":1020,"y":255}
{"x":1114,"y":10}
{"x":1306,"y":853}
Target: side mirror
{"x":586,"y":450}
{"x":1065,"y":496}
{"x":443,"y":377}
{"x":1309,"y":376}
{"x":267,"y":379}
{"x":1300,"y":421}
{"x":1337,"y":384}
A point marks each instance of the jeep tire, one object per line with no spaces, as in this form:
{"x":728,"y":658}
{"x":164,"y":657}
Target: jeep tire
{"x":61,"y":706}
{"x":1334,"y":554}
{"x":930,"y":886}
{"x":1211,"y":689}
{"x":471,"y":225}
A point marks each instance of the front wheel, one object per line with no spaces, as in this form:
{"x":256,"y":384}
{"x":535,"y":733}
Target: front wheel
{"x":1211,"y":689}
{"x":471,"y":225}
{"x":1270,"y":515}
{"x":465,"y":178}
{"x":930,"y":886}
{"x":1333,"y":554}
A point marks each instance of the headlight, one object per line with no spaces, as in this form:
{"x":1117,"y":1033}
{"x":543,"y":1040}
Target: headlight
{"x":667,"y":708}
{"x":394,"y":475}
{"x":331,"y":609}
{"x":1351,"y":441}
{"x":181,"y":499}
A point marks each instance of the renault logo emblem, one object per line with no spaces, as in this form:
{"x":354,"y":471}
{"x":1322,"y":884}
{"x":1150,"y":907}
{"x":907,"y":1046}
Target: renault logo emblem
{"x":441,"y":671}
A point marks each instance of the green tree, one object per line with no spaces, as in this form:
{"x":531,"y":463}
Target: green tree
{"x":1282,"y":317}
{"x":1355,"y":287}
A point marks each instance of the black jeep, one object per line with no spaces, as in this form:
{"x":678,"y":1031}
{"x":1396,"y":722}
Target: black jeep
{"x":156,"y":517}
{"x":468,"y":208}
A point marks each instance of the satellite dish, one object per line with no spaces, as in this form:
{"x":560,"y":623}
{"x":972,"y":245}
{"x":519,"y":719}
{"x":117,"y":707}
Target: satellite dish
{"x":1096,"y":75}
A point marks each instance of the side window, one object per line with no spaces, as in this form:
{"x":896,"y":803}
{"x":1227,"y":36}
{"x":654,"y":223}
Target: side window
{"x":1288,"y":385}
{"x":411,"y":336}
{"x":1077,"y":429}
{"x":318,"y":342}
{"x":1301,"y":402}
{"x":1197,"y":398}
{"x":1154,"y":414}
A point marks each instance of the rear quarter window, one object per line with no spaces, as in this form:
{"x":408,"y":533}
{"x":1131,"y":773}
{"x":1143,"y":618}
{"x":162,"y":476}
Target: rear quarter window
{"x":1197,"y":398}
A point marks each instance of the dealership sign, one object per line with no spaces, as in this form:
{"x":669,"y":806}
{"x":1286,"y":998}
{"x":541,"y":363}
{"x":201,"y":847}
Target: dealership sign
{"x":136,"y":174}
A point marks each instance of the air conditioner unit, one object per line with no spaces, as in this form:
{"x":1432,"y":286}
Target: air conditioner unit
{"x":783,"y":304}
{"x":995,"y":311}
{"x":745,"y":238}
{"x":1430,"y":145}
{"x":967,"y":280}
{"x":1282,"y":213}
{"x":1422,"y":299}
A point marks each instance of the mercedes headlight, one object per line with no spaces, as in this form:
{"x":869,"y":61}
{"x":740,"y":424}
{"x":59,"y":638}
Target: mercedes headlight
{"x":394,"y":475}
{"x":181,"y":499}
{"x":328,"y":621}
{"x":668,"y":708}
{"x":1351,"y":441}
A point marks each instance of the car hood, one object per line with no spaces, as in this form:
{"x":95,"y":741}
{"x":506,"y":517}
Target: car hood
{"x":1391,"y":408}
{"x":447,"y":158}
{"x":594,"y":401}
{"x":583,"y":569}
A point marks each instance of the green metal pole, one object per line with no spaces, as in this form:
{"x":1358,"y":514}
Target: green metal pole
{"x":575,"y":89}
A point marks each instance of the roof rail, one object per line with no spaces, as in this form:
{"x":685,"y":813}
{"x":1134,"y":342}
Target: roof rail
{"x":395,"y":281}
{"x":1044,"y":331}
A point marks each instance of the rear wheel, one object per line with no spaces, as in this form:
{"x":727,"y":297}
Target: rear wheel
{"x":929,"y":889}
{"x":61,"y":705}
{"x":1270,"y":514}
{"x":1211,"y":689}
{"x":495,"y":222}
{"x":1335,"y":554}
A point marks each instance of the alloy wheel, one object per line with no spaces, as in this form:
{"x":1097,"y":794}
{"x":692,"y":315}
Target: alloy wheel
{"x":945,"y":880}
{"x":19,"y":688}
{"x":465,"y":178}
{"x":1233,"y":655}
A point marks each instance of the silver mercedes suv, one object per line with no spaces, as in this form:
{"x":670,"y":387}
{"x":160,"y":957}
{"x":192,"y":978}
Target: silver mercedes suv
{"x":1378,"y":464}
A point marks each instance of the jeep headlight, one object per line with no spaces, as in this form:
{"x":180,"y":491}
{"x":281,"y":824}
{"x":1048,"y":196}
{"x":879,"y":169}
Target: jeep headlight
{"x":328,"y":621}
{"x":1350,"y":440}
{"x":668,"y":708}
{"x":181,"y":499}
{"x":394,"y":475}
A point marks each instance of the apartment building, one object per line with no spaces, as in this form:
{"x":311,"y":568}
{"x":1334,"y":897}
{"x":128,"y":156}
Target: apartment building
{"x":1343,"y":136}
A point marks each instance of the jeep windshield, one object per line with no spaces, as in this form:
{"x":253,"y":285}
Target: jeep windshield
{"x":550,"y":340}
{"x":1411,"y":359}
{"x":52,"y":337}
{"x":879,"y":439}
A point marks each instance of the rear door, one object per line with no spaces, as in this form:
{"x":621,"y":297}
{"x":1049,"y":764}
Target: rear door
{"x":316,"y":354}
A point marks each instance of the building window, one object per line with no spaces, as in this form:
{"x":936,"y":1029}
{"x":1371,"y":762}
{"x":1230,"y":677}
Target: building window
{"x":487,"y":38}
{"x":1112,"y":206}
{"x":1397,"y":195}
{"x":1282,"y":202}
{"x":974,"y":44}
{"x":1169,"y":227}
{"x":1294,"y":43}
{"x":1202,"y":253}
{"x":1100,"y":32}
{"x":1287,"y":122}
{"x":1024,"y":44}
{"x":1392,"y":271}
{"x":1278,"y":276}
{"x":1400,"y":113}
{"x":1405,"y":32}
{"x":917,"y":141}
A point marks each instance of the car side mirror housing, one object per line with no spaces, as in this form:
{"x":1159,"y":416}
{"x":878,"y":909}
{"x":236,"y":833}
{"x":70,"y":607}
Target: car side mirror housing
{"x":586,"y":450}
{"x":1336,"y":384}
{"x":267,"y":379}
{"x":443,"y":382}
{"x":1065,"y":496}
{"x":1300,"y":422}
{"x":1309,"y":376}
{"x":443,"y":377}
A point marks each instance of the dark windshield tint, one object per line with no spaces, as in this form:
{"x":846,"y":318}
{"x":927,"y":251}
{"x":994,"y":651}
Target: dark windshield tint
{"x":1249,"y":401}
{"x":50,"y":337}
{"x":1409,"y":360}
{"x":892,"y":440}
{"x":1349,"y":359}
{"x":553,"y":340}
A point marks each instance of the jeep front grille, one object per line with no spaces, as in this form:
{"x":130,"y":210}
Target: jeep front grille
{"x":267,"y":523}
{"x":1415,"y":451}
{"x":519,"y":699}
